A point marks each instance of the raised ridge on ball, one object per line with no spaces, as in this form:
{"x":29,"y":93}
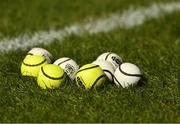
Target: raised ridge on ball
{"x":91,"y":76}
{"x":95,"y":66}
{"x":95,"y":82}
{"x":128,"y":74}
{"x":34,"y":64}
{"x":108,"y":72}
{"x":64,"y":61}
{"x":109,"y":53}
{"x":50,"y":77}
{"x":116,"y":80}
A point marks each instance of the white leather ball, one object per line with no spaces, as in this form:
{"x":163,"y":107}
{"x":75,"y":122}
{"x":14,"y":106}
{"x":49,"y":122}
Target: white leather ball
{"x":127,"y":75}
{"x":69,"y":66}
{"x":107,"y":67}
{"x":41,"y":52}
{"x":113,"y":58}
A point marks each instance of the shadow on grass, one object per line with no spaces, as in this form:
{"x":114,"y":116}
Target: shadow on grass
{"x":143,"y":81}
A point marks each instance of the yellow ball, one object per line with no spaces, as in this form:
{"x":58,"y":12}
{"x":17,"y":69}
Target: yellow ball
{"x":90,"y":76}
{"x":32,"y":64}
{"x":50,"y":76}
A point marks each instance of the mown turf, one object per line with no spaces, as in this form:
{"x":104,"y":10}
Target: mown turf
{"x":20,"y":16}
{"x":153,"y":46}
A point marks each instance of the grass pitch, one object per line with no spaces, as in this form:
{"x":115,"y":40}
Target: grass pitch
{"x":153,"y":46}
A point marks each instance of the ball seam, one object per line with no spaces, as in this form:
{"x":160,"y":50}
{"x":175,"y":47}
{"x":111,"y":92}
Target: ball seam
{"x":116,"y":80}
{"x":87,"y":68}
{"x":35,"y":64}
{"x":64,"y":61}
{"x":107,"y":56}
{"x":29,"y":54}
{"x":97,"y":80}
{"x":53,"y":78}
{"x":108,"y":72}
{"x":135,"y":75}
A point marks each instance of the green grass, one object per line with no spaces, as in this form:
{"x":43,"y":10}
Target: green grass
{"x":20,"y":16}
{"x":153,"y":46}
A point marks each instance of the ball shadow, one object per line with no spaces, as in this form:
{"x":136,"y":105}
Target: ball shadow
{"x":143,"y":81}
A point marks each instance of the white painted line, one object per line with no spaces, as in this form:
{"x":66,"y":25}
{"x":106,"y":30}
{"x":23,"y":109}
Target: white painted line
{"x":127,"y":19}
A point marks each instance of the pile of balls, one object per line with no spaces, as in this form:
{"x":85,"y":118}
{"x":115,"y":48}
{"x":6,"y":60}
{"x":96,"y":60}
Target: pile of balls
{"x":108,"y":66}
